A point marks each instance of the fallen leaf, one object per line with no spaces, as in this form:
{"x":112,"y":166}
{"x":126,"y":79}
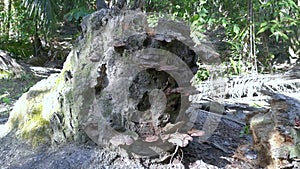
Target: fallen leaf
{"x":179,"y":139}
{"x":172,"y":128}
{"x":195,"y":132}
{"x":121,"y":140}
{"x":128,"y":140}
{"x":151,"y":139}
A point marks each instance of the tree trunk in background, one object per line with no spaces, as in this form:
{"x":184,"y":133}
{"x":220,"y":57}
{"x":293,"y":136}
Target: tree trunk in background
{"x":8,"y":7}
{"x":37,"y":44}
{"x":1,"y":18}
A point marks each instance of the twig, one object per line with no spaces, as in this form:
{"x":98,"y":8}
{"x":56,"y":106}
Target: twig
{"x":172,"y":155}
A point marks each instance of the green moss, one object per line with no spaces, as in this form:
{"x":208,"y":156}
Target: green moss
{"x":69,"y":97}
{"x":294,"y":151}
{"x":59,"y":80}
{"x":5,"y":74}
{"x":36,"y":128}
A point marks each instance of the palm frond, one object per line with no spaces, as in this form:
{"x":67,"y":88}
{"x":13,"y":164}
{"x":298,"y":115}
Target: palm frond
{"x":45,"y":11}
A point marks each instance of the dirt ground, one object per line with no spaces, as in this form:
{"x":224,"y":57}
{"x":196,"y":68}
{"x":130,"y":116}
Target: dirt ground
{"x":222,"y":150}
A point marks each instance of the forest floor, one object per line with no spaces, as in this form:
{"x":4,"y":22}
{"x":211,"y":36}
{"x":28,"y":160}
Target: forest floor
{"x":229,"y":147}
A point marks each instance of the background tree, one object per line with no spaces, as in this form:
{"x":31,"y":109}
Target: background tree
{"x":269,"y":23}
{"x":35,"y":21}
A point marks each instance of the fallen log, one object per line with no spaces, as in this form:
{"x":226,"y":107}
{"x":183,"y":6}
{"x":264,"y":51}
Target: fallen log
{"x":276,"y":133}
{"x":124,"y":84}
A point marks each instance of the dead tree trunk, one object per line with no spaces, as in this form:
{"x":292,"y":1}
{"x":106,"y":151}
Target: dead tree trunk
{"x":124,"y":84}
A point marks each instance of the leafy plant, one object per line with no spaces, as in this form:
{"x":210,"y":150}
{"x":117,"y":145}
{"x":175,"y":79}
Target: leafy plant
{"x":18,"y":49}
{"x":6,"y":100}
{"x":5,"y":74}
{"x":201,"y":75}
{"x":283,"y":17}
{"x":77,"y":14}
{"x":245,"y":131}
{"x":237,"y":67}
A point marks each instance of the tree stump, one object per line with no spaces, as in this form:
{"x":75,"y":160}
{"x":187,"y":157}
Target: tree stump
{"x":125,"y":84}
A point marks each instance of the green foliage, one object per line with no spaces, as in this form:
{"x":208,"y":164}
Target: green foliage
{"x":77,"y":14}
{"x":44,"y":13}
{"x":50,"y":13}
{"x":18,"y":49}
{"x":278,"y":17}
{"x":158,"y":6}
{"x":30,"y":19}
{"x":6,"y":100}
{"x":153,"y":19}
{"x":245,"y":131}
{"x":16,"y":40}
{"x":236,"y":67}
{"x":5,"y":74}
{"x":201,"y":75}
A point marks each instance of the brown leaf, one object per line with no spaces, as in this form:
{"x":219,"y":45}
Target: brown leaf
{"x":121,"y":140}
{"x":172,"y":128}
{"x":128,"y":140}
{"x":179,"y":139}
{"x":151,"y":139}
{"x":195,"y":132}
